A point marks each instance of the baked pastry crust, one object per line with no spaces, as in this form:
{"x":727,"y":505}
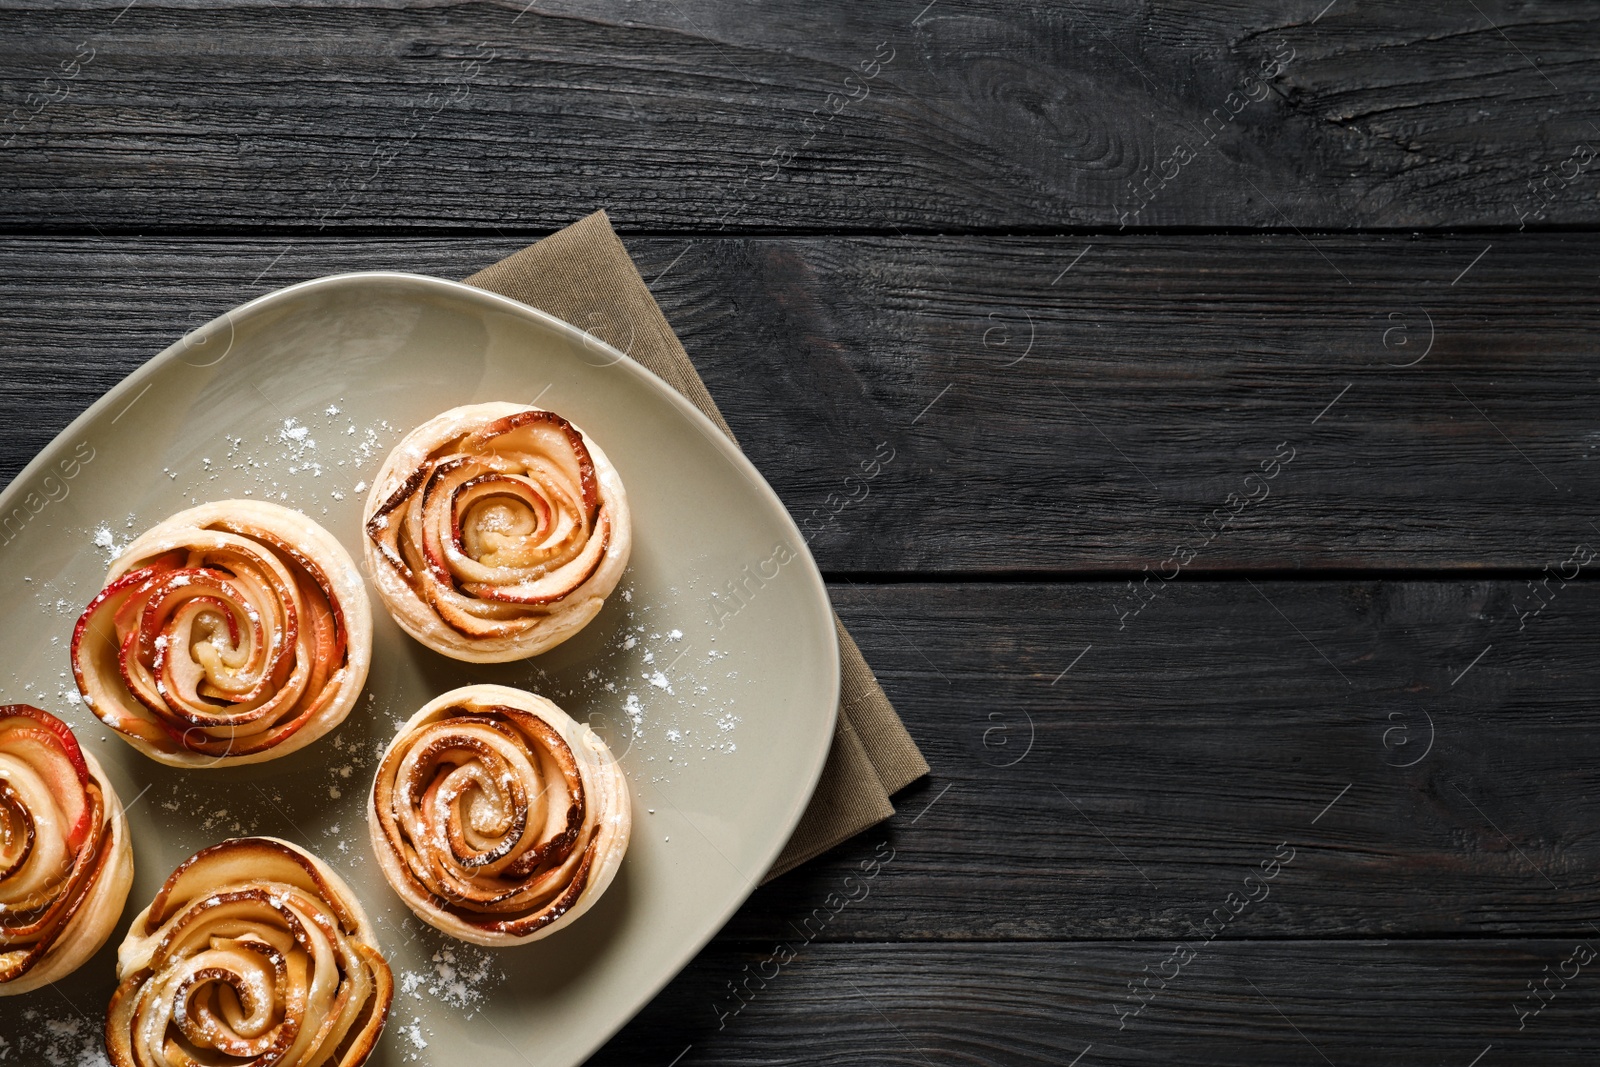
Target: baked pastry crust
{"x":231,"y":633}
{"x":65,"y":858}
{"x":496,"y":531}
{"x":253,"y":950}
{"x":497,"y":817}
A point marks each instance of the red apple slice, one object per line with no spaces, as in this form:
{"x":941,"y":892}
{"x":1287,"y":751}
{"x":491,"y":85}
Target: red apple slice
{"x":46,"y":744}
{"x":117,"y":588}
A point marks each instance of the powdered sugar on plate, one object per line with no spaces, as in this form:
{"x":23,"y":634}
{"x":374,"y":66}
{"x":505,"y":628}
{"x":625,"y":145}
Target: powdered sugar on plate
{"x":413,"y":1039}
{"x":108,"y":542}
{"x":648,"y":694}
{"x":456,"y":976}
{"x":460,"y":978}
{"x":308,"y":461}
{"x":311,"y":462}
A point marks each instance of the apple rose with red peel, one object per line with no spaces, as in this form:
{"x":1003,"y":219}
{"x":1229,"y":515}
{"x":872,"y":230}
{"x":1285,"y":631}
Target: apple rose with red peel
{"x":496,"y":531}
{"x":65,"y":861}
{"x":497,"y":817}
{"x":253,"y":952}
{"x":233,"y":632}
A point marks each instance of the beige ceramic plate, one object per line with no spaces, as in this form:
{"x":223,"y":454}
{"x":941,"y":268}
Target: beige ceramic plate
{"x":721,"y":709}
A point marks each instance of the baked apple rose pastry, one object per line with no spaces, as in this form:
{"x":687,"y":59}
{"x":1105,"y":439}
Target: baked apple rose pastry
{"x":233,"y":632}
{"x":497,"y":817}
{"x":253,"y":951}
{"x":496,"y":531}
{"x":65,"y":861}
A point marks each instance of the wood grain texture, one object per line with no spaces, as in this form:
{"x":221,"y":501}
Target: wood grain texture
{"x":1420,"y":1003}
{"x":1428,"y":761}
{"x":1048,"y":413}
{"x":699,"y":116}
{"x":1097,"y":289}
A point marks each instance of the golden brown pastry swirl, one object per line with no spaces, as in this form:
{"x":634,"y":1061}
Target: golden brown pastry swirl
{"x":231,"y":633}
{"x":253,"y":952}
{"x":497,"y":817}
{"x":65,"y":861}
{"x":496,"y":531}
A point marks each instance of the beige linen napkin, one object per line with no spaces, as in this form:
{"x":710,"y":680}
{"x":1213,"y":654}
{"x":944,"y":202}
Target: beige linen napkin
{"x":583,"y":275}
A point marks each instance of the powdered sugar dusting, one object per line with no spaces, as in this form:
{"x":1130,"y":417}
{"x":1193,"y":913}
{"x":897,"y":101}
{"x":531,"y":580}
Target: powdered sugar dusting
{"x":665,"y":713}
{"x":460,"y":978}
{"x":108,"y":543}
{"x":312,"y":461}
{"x":413,"y":1036}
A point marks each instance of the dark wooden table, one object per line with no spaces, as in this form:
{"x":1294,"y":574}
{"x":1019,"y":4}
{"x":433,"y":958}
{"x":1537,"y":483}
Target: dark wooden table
{"x":1239,"y":359}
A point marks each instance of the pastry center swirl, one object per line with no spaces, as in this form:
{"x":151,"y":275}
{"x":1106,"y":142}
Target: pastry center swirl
{"x":488,"y":812}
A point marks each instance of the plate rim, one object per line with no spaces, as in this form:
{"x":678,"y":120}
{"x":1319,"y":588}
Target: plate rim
{"x":488,"y":300}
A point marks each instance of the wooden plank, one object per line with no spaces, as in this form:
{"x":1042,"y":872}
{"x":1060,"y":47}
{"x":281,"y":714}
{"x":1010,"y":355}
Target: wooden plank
{"x":1428,"y":764}
{"x":1420,"y":1003}
{"x":699,"y":116}
{"x":1054,"y":406}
